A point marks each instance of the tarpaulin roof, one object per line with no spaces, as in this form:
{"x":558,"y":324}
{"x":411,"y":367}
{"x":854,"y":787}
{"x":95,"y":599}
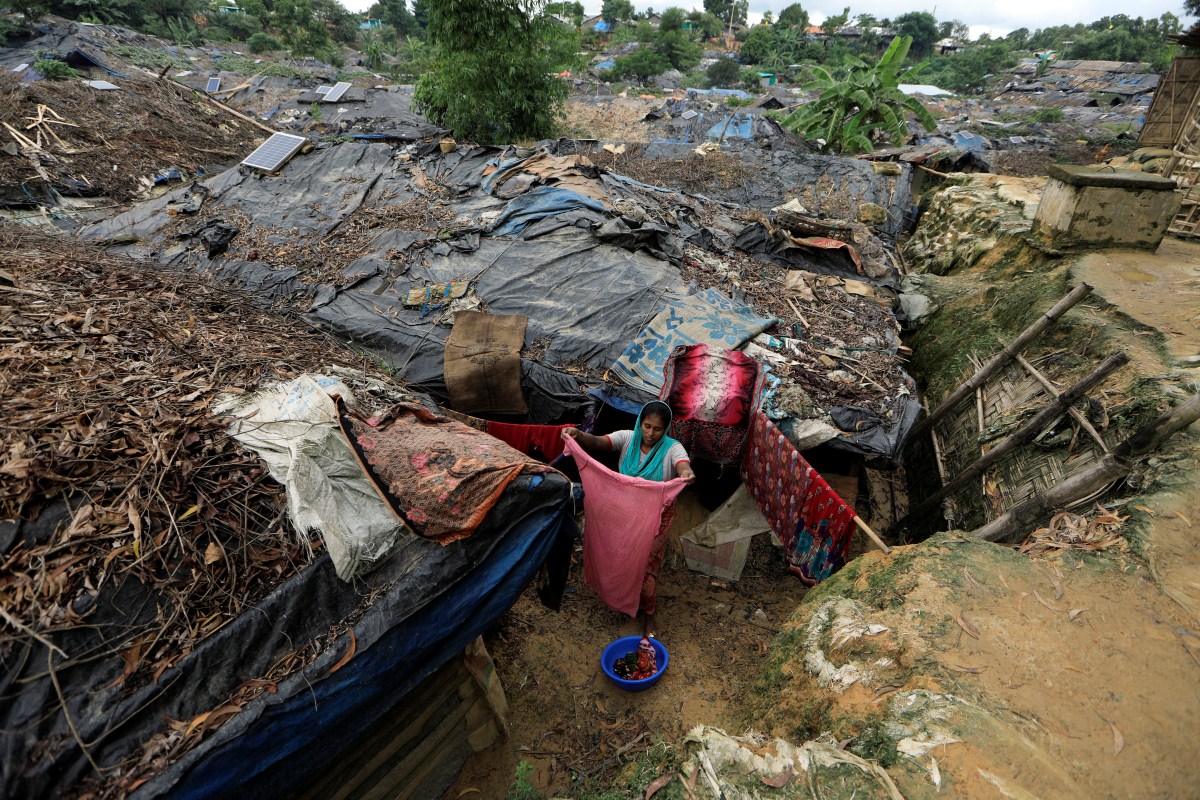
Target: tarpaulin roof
{"x":596,"y":254}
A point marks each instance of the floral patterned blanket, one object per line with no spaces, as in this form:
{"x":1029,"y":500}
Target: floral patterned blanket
{"x":707,"y":317}
{"x":439,"y":476}
{"x":712,"y":393}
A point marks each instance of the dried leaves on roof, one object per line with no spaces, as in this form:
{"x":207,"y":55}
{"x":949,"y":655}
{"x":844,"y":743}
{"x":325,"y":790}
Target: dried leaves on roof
{"x":107,"y":372}
{"x":161,"y":125}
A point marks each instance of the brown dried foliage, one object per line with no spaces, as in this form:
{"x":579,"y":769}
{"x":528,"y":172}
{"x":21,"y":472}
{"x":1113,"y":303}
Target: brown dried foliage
{"x":697,"y":174}
{"x":107,"y":372}
{"x":161,"y":125}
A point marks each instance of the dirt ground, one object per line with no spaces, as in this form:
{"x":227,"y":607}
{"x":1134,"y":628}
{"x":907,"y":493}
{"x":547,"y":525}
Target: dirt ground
{"x":1161,"y":290}
{"x":1069,"y":675}
{"x":577,"y":729}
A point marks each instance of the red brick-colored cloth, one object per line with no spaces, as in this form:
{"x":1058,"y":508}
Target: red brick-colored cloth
{"x":813,"y":522}
{"x":648,"y":600}
{"x":439,"y":476}
{"x":712,"y":394}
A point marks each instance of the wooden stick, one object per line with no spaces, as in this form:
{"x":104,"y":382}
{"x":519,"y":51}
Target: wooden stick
{"x":221,"y":105}
{"x":1003,"y":357}
{"x":931,"y":171}
{"x":1075,"y":413}
{"x":937,"y":455}
{"x":22,"y":140}
{"x":1019,"y":520}
{"x":874,"y":537}
{"x":1020,"y":436}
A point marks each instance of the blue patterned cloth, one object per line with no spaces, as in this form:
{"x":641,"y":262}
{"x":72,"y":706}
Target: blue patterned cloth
{"x":708,"y":317}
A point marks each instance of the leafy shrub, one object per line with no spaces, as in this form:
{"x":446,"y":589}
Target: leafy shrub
{"x":642,"y":64}
{"x":263,"y":43}
{"x":522,"y":788}
{"x":1047,"y":115}
{"x":54,"y":70}
{"x":151,"y":59}
{"x":474,"y":41}
{"x":723,"y":72}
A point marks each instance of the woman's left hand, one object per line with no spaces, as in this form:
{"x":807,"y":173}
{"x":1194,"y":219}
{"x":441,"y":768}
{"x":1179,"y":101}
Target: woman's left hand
{"x":686,"y":474}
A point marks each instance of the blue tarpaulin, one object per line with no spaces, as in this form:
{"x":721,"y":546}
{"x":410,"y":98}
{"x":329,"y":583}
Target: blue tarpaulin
{"x":733,"y":126}
{"x":539,"y":203}
{"x":295,"y":736}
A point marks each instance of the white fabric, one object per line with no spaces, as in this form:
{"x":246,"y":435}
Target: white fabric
{"x":293,"y":427}
{"x":736,"y":518}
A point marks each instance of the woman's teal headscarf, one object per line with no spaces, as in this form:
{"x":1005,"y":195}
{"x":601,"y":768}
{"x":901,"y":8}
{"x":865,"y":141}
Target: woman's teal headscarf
{"x":649,"y":467}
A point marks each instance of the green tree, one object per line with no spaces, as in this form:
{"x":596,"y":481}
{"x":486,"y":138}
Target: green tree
{"x":862,"y":102}
{"x":723,"y":72}
{"x":420,"y":12}
{"x":705,"y":24}
{"x":919,"y":26}
{"x":672,"y":20}
{"x":794,"y":16}
{"x":493,"y":78}
{"x":965,"y":72}
{"x":833,"y":24}
{"x":396,"y":14}
{"x":614,"y":11}
{"x":1017,"y":39}
{"x":642,"y":64}
{"x":725,"y":9}
{"x":299,"y":27}
{"x":679,"y":48}
{"x":263,"y":43}
{"x":760,"y":41}
{"x":953,"y":29}
{"x":568,"y":10}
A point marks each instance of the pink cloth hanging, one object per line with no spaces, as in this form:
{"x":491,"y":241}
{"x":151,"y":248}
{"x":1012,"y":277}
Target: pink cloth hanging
{"x":622,"y":516}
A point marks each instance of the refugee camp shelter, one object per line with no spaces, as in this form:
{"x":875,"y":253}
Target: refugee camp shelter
{"x":1173,"y":123}
{"x":223,"y":635}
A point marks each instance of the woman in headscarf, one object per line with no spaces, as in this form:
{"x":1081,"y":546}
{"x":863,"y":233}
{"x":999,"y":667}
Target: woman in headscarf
{"x":646,"y":452}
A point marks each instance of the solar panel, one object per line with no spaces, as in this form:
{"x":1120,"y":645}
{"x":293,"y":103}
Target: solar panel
{"x":323,"y":89}
{"x":336,"y":92}
{"x":214,"y":84}
{"x":103,"y":86}
{"x":274,"y":152}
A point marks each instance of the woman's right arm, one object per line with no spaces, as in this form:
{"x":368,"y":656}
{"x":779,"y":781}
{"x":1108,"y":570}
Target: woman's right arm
{"x":587,"y":441}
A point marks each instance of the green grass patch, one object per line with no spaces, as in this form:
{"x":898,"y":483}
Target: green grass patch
{"x":149,"y":58}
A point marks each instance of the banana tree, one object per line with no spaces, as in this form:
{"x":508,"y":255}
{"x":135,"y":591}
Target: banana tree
{"x":862,"y":103}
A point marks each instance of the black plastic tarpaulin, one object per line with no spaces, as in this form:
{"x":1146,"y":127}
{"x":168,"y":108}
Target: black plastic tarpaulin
{"x":412,"y":614}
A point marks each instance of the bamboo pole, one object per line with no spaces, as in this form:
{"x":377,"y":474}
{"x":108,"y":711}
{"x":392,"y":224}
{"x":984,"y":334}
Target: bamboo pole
{"x":1019,"y":520}
{"x":874,"y":537}
{"x":1020,"y":436}
{"x":1004,"y":356}
{"x":1075,"y":413}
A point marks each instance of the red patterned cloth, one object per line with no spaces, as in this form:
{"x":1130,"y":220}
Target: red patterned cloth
{"x":648,"y":598}
{"x":439,"y":476}
{"x":814,"y":524}
{"x":712,"y":394}
{"x":543,"y":442}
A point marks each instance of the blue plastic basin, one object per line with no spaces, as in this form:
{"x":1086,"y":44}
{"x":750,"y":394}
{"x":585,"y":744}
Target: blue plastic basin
{"x":623,"y":647}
